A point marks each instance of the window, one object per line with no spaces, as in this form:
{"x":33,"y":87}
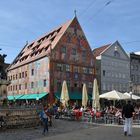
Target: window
{"x":123,"y":76}
{"x":137,"y":78}
{"x":13,"y":77}
{"x":68,"y":38}
{"x":119,"y":75}
{"x":63,"y":49}
{"x":19,"y":75}
{"x":76,"y":69}
{"x":73,"y":51}
{"x":67,"y":67}
{"x":90,"y":84}
{"x":75,"y":75}
{"x":116,"y":54}
{"x":32,"y":72}
{"x":13,"y":87}
{"x":136,"y":67}
{"x":103,"y":72}
{"x":25,"y":73}
{"x":8,"y":88}
{"x":19,"y":86}
{"x":85,"y":70}
{"x":25,"y":85}
{"x":16,"y":76}
{"x":59,"y":67}
{"x":22,"y":74}
{"x":44,"y":83}
{"x":32,"y":84}
{"x":84,"y":54}
{"x":90,"y":71}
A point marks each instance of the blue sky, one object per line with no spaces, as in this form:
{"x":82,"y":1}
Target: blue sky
{"x":102,"y":23}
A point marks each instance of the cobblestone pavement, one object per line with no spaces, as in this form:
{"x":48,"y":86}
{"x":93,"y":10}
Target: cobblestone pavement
{"x":59,"y":127}
{"x":71,"y":130}
{"x":102,"y":132}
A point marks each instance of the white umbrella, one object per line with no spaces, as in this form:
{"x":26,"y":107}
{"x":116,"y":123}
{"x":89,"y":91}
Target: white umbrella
{"x":64,"y":94}
{"x":95,"y":96}
{"x":84,"y":96}
{"x":134,"y":97}
{"x":114,"y":95}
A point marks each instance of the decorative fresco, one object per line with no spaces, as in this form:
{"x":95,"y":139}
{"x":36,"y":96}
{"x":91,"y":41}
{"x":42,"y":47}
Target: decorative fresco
{"x":62,"y":54}
{"x":37,"y":78}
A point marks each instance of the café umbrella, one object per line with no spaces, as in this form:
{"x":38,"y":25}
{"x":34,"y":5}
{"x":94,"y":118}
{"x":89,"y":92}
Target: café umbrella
{"x":134,"y":97}
{"x":114,"y":95}
{"x":95,"y":96}
{"x":84,"y":96}
{"x":64,"y":98}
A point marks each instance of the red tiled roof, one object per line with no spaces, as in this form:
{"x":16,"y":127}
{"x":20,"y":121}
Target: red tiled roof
{"x":41,"y":46}
{"x":98,"y":51}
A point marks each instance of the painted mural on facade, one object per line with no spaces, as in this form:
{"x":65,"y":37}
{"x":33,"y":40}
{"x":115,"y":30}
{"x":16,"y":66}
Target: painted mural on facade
{"x":62,"y":54}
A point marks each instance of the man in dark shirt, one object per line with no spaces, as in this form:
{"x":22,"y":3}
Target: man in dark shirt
{"x":127,"y":113}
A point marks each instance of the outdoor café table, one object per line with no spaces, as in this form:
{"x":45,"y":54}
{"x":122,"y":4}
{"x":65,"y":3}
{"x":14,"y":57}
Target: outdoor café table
{"x":110,"y":118}
{"x":77,"y":114}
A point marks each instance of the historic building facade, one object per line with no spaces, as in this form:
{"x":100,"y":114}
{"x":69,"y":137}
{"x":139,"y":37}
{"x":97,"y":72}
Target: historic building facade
{"x":3,"y":77}
{"x":42,"y":65}
{"x":112,"y":68}
{"x":135,"y":72}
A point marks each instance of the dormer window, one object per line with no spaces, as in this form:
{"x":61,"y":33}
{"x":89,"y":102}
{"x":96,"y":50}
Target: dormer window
{"x":30,"y":46}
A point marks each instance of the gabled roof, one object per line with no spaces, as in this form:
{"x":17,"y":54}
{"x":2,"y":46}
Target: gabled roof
{"x":98,"y":51}
{"x":40,"y":47}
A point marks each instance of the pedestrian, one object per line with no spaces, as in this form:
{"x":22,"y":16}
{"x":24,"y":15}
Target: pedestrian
{"x":44,"y":118}
{"x":127,"y":114}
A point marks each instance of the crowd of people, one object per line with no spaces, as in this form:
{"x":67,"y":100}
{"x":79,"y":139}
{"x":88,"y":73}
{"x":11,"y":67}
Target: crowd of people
{"x":109,"y":114}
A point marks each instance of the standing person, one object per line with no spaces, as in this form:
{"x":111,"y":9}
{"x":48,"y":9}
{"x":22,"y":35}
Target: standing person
{"x":44,"y":118}
{"x":127,"y":113}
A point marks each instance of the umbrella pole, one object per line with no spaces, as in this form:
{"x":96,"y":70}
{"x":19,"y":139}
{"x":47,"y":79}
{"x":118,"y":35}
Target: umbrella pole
{"x":113,"y":102}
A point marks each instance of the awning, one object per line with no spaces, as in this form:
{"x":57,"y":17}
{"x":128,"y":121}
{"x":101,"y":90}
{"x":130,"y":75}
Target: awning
{"x":33,"y":96}
{"x":72,"y":95}
{"x":14,"y":97}
{"x":28,"y":96}
{"x":24,"y":96}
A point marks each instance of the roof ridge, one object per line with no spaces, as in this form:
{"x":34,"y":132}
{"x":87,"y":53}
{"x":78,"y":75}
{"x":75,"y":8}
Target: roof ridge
{"x":99,"y":50}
